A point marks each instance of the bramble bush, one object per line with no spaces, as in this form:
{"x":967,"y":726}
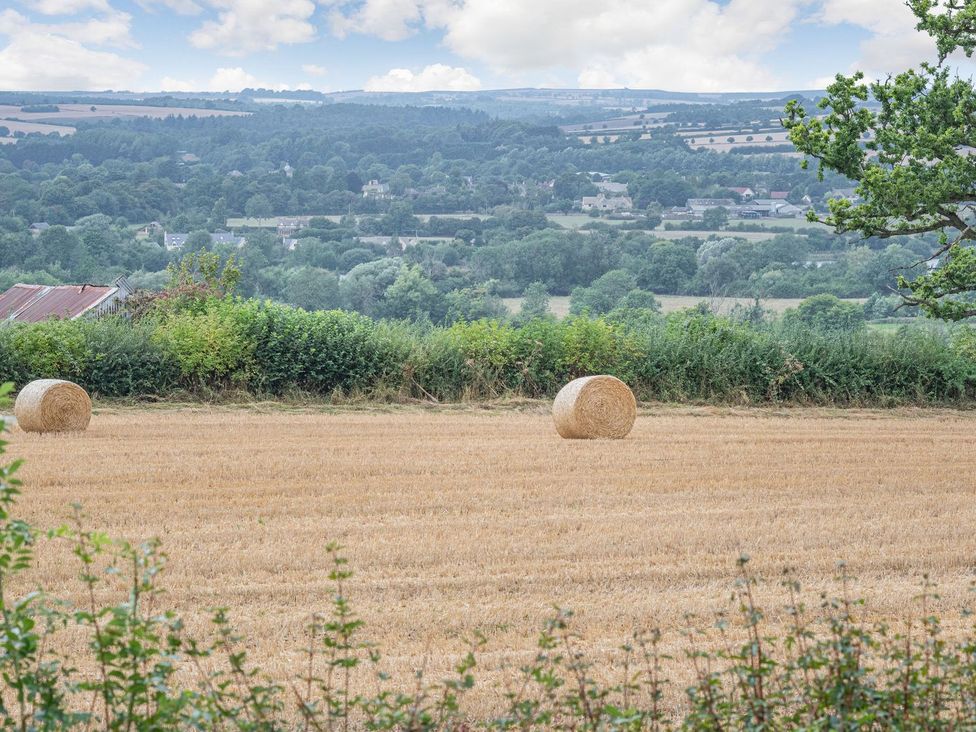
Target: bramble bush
{"x":208,"y":344}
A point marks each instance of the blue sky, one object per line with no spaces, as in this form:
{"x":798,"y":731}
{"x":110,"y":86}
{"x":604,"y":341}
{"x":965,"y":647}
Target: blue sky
{"x":414,"y":45}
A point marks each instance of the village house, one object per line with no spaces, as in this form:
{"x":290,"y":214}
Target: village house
{"x":746,"y":194}
{"x":174,"y":241}
{"x":289,"y":225}
{"x":375,"y":189}
{"x":225,"y":237}
{"x":25,"y":303}
{"x":602,"y":202}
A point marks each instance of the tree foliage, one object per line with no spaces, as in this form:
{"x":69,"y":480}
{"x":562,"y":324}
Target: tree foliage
{"x":907,"y":141}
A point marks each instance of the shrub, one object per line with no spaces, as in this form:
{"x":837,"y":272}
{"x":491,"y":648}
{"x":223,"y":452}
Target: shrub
{"x":319,"y":352}
{"x":53,"y":349}
{"x":124,"y":360}
{"x":210,"y":346}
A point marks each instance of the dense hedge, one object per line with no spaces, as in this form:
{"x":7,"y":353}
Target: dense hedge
{"x":270,"y":349}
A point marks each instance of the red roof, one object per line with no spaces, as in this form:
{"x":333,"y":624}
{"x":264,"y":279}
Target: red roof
{"x":16,"y":298}
{"x":782,"y":195}
{"x":33,"y":303}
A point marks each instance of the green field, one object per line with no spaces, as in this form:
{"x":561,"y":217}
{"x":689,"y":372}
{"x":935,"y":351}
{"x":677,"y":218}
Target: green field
{"x":747,"y":235}
{"x":577,"y":220}
{"x":559,"y":305}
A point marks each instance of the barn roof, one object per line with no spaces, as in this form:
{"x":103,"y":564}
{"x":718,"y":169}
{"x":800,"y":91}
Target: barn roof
{"x":33,"y":303}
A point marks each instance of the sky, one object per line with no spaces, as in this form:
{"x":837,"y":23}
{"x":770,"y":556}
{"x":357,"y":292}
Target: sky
{"x":420,"y":45}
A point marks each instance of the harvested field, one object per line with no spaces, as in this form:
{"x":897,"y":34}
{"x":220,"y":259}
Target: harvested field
{"x":458,"y":520}
{"x":31,"y":127}
{"x":112,"y":111}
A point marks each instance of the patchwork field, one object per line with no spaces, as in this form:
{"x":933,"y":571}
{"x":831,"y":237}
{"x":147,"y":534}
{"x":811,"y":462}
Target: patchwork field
{"x":111,"y":111}
{"x":465,"y":520}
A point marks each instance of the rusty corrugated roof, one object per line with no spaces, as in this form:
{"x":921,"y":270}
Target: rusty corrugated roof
{"x":33,"y":303}
{"x":17,"y":297}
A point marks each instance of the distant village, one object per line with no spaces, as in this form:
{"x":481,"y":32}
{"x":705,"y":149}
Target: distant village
{"x":612,"y":201}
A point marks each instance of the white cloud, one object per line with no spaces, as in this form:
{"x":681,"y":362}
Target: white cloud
{"x":436,"y":77}
{"x":57,"y":56}
{"x":112,"y":29}
{"x":183,"y":7}
{"x":39,"y":61}
{"x":224,"y":79}
{"x":894,"y":44}
{"x":391,"y":20}
{"x":67,"y":7}
{"x":314,"y":69}
{"x":244,"y":26}
{"x":688,"y":44}
{"x":233,"y":79}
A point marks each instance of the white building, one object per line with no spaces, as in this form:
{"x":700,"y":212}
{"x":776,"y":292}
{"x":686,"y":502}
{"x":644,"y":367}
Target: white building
{"x":603,"y":202}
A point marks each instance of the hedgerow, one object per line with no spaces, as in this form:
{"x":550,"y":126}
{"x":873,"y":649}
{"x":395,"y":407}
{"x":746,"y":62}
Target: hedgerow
{"x":216,"y":343}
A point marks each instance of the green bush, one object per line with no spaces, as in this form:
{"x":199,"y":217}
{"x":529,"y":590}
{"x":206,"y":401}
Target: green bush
{"x":319,"y":352}
{"x":54,"y":349}
{"x":124,"y":360}
{"x":211,"y":346}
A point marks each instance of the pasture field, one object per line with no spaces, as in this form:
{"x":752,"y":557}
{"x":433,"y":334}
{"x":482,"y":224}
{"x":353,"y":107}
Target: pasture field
{"x":559,"y":304}
{"x":576,"y":220}
{"x":464,"y":520}
{"x":684,"y":233}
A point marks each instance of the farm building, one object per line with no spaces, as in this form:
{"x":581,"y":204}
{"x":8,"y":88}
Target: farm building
{"x":606,"y":203}
{"x":699,"y":206}
{"x":744,"y":192}
{"x":34,"y":303}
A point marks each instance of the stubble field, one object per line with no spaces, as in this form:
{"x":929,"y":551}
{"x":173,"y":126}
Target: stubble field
{"x":481,"y":520}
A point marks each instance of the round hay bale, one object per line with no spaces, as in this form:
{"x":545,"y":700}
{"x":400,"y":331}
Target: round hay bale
{"x":594,"y":407}
{"x":52,"y":405}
